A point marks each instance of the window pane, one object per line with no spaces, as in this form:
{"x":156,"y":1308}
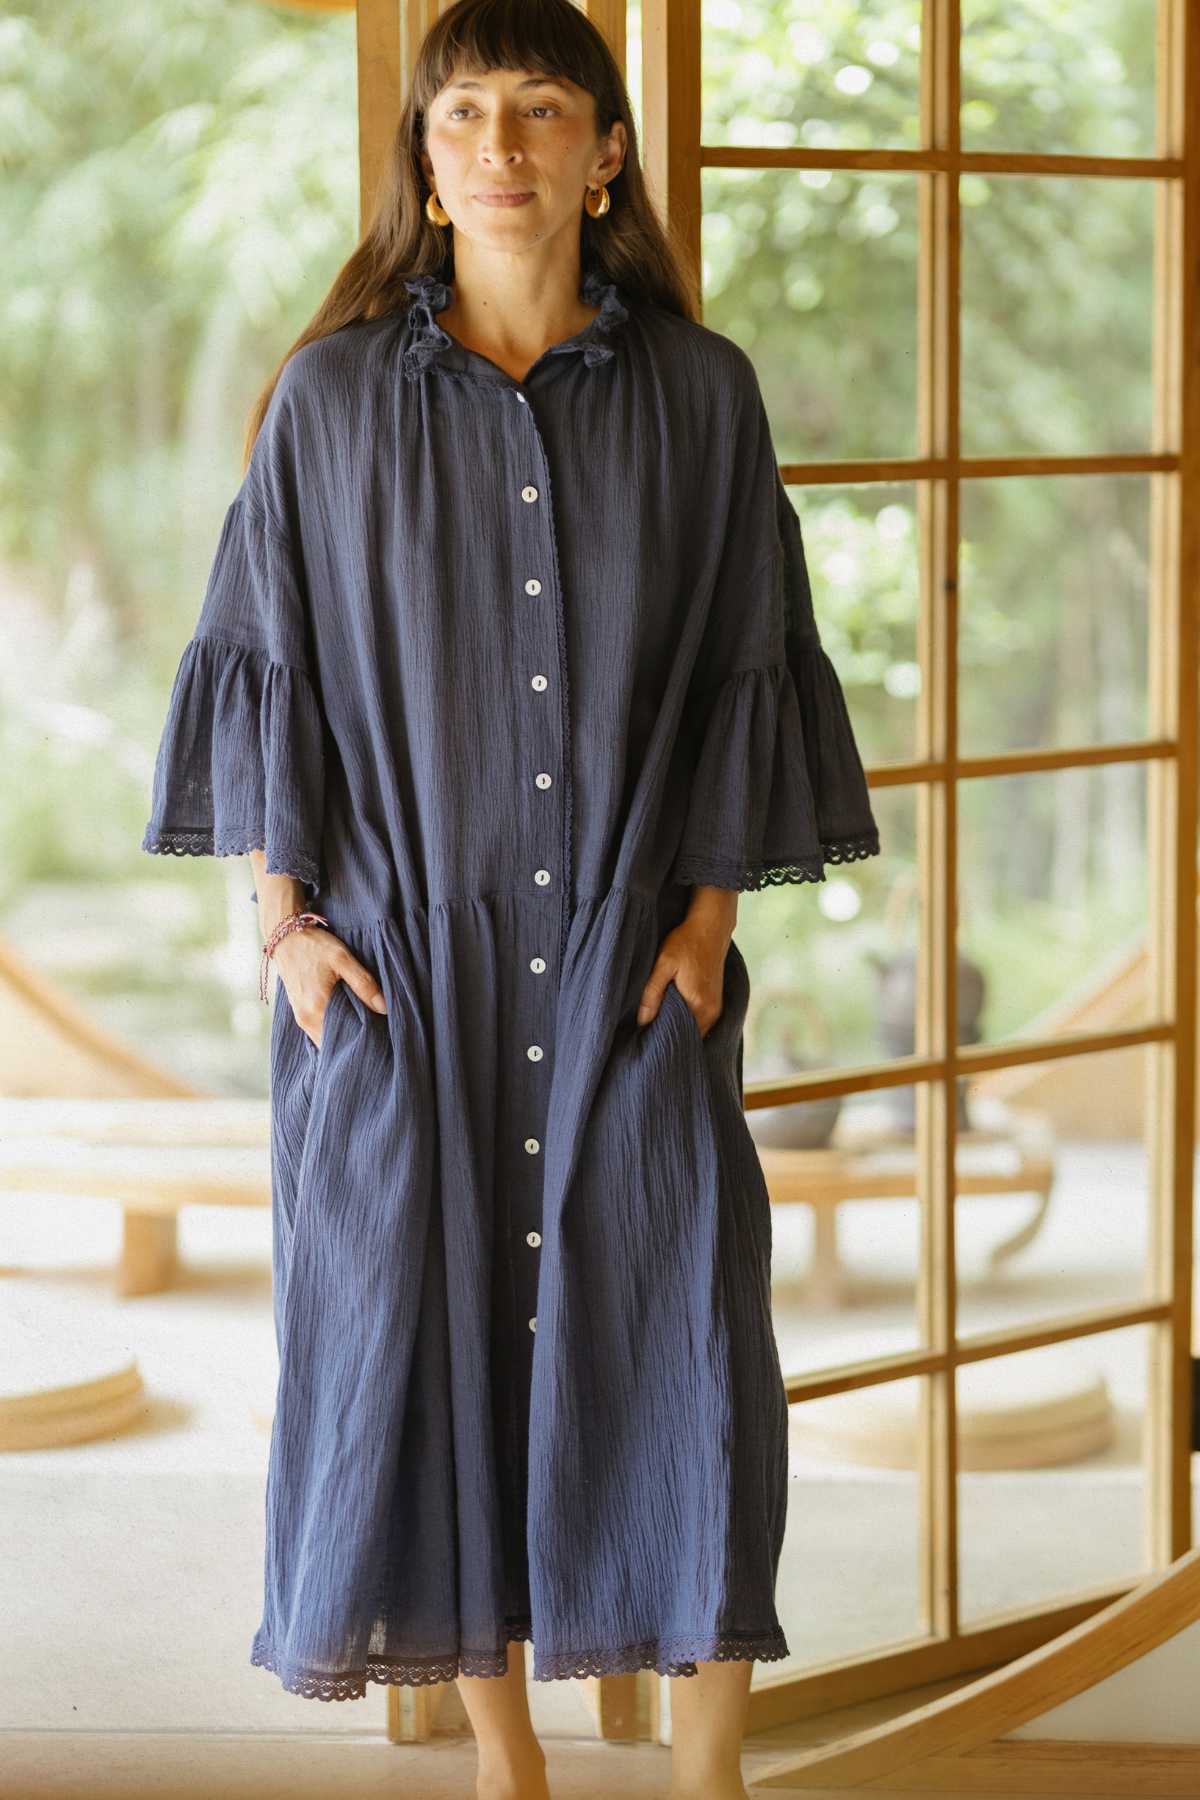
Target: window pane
{"x":1046,"y":77}
{"x":1053,"y":1205}
{"x":1053,"y":581}
{"x":861,"y":548}
{"x":832,"y":982}
{"x":813,"y":273}
{"x":844,"y":1274}
{"x":810,"y":73}
{"x":1056,"y":328}
{"x":848,"y":1574}
{"x":842,"y":1178}
{"x":1053,"y":907}
{"x":826,"y":958}
{"x":1051,"y":1488}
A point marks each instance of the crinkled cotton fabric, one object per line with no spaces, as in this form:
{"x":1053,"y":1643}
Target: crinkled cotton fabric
{"x":500,"y":669}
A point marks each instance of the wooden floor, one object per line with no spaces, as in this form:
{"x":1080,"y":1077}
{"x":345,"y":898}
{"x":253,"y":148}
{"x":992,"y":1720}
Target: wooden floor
{"x":315,"y":1765}
{"x":151,"y":1766}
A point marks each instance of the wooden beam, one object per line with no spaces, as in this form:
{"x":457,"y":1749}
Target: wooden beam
{"x":914,"y":1749}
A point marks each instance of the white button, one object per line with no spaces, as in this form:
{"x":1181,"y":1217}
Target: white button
{"x":532,"y":1145}
{"x":533,"y":1324}
{"x":538,"y":682}
{"x":542,"y":781}
{"x":537,"y":964}
{"x":529,"y":492}
{"x":541,"y":876}
{"x":534,"y":1238}
{"x":534,"y":1053}
{"x":522,"y":399}
{"x":533,"y":585}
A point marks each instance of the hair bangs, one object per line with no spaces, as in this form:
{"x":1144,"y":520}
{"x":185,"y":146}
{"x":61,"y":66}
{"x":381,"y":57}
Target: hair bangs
{"x":514,"y":35}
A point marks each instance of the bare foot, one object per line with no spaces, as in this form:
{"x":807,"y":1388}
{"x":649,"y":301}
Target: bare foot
{"x":729,"y":1789}
{"x":525,"y":1780}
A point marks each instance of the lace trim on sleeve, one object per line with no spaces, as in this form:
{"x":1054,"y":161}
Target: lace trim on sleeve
{"x":170,"y":840}
{"x":698,"y":870}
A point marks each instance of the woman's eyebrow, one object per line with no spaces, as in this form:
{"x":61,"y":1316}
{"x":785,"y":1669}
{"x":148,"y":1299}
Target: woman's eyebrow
{"x":530,"y":81}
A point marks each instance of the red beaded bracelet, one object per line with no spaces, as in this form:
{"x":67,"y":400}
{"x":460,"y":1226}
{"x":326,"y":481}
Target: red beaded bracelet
{"x":296,"y":921}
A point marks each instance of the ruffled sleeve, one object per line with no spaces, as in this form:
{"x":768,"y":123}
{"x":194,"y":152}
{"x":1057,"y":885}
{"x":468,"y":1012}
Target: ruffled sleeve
{"x":778,"y":789}
{"x":240,"y":764}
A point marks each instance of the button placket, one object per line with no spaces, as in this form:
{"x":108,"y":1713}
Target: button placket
{"x":534,"y":588}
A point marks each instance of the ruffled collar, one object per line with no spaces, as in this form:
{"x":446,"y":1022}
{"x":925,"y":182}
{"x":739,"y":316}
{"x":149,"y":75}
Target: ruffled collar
{"x":430,"y":343}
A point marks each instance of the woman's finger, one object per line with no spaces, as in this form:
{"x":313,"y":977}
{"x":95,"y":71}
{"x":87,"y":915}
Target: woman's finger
{"x":652,"y":993}
{"x":365,"y":986}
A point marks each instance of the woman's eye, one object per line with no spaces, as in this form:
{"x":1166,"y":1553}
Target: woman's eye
{"x":544,"y":107}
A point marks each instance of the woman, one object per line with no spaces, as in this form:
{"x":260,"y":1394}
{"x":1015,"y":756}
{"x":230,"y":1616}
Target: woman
{"x":507,"y":669}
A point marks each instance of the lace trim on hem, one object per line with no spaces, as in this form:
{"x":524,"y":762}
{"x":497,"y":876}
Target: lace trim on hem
{"x":666,"y":1656}
{"x":171,"y":840}
{"x":697,"y":870}
{"x":418,"y":1671}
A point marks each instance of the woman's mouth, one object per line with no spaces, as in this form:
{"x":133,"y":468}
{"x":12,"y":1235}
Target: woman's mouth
{"x":504,"y":199}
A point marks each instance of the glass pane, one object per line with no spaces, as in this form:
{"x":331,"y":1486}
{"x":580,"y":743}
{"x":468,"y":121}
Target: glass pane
{"x":848,"y":1574}
{"x":1053,"y":583}
{"x":1052,"y":78}
{"x":846,"y":1232}
{"x":861,"y":548}
{"x":1051,"y":1489}
{"x":846,"y":1227}
{"x":1053,"y":1173}
{"x":813,"y":273}
{"x":841,"y":1172}
{"x":808,"y":73}
{"x":1053,"y":902}
{"x":824,"y":959}
{"x":1056,"y":329}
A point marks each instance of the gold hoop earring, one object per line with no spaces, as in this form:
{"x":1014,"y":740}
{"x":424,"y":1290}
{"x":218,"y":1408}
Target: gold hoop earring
{"x":435,"y":212}
{"x":596,"y":207}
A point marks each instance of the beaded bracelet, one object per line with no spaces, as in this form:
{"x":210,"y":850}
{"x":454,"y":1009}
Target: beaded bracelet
{"x":295,"y":921}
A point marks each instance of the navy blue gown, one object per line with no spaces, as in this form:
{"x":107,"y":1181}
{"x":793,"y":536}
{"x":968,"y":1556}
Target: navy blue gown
{"x":499,"y":669}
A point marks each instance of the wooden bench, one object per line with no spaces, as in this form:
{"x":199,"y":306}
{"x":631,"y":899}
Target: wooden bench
{"x":1008,"y":1151}
{"x":149,"y":1157}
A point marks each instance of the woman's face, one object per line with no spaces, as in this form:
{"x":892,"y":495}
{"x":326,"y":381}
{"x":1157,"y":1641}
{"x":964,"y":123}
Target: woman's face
{"x":515,"y":133}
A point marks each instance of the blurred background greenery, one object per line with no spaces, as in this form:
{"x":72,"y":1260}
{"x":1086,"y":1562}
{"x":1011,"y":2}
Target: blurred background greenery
{"x":180,"y":187}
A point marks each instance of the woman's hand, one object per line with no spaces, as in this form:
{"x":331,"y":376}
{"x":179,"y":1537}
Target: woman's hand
{"x":311,"y":963}
{"x":693,"y":957}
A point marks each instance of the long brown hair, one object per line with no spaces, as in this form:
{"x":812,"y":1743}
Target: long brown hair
{"x":629,"y":245}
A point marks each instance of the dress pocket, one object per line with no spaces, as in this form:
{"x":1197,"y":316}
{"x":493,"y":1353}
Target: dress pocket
{"x":297,"y":1072}
{"x":327,"y":1020}
{"x":317,"y":1052}
{"x":719,"y":1045}
{"x":292,"y":1080}
{"x":690,"y":1019}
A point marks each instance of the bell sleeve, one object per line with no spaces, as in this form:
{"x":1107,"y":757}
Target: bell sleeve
{"x":240,"y":765}
{"x":778,"y":789}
